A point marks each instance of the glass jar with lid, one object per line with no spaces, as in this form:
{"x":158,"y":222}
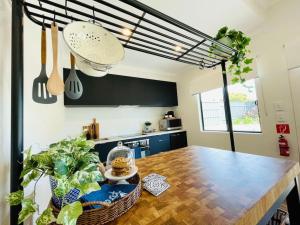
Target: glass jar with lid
{"x":120,"y":163}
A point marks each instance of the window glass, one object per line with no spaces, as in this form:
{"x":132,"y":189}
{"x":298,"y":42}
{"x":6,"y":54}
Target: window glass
{"x":213,"y":113}
{"x":243,"y":105}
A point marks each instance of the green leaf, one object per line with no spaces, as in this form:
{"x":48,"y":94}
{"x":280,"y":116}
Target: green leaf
{"x":61,"y":167}
{"x":63,"y":187}
{"x":235,"y":80}
{"x":222,"y":33}
{"x":248,"y":61}
{"x":89,"y":187}
{"x":69,"y":214}
{"x":32,"y":176}
{"x":46,"y":218}
{"x":28,"y":208}
{"x":15,"y":198}
{"x":247,"y":69}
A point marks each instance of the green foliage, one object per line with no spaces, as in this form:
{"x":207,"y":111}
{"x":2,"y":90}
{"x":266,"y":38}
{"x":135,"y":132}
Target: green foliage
{"x":69,"y":214}
{"x":246,"y":120}
{"x":71,"y":163}
{"x":238,"y":97}
{"x":46,"y":217}
{"x":28,"y":208}
{"x":240,"y":63}
{"x":15,"y":198}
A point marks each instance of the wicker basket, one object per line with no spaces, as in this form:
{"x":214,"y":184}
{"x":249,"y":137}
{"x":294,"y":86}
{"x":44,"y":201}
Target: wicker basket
{"x":108,"y":212}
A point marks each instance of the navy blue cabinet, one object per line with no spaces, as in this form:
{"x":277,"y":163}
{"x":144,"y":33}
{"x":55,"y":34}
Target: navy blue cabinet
{"x":112,"y":90}
{"x":178,"y":140}
{"x":103,"y":149}
{"x":159,"y":143}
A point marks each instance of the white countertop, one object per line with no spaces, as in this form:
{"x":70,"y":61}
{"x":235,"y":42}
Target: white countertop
{"x":128,"y":137}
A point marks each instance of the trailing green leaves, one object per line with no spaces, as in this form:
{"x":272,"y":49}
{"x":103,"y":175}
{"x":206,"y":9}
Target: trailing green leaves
{"x":240,"y":63}
{"x":32,"y":176}
{"x":28,"y":208}
{"x":72,"y":164}
{"x":46,"y":217}
{"x":15,"y":198}
{"x":69,"y":214}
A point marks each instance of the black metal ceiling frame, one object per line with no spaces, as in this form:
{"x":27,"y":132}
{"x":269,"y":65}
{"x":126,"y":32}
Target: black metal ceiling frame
{"x":167,"y":38}
{"x":145,"y":36}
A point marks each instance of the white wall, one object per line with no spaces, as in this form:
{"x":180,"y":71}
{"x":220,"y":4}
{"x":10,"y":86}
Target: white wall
{"x":280,"y":27}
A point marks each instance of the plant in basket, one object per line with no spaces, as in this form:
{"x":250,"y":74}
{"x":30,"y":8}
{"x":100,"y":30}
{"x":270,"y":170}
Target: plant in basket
{"x":73,"y":172}
{"x":240,"y":62}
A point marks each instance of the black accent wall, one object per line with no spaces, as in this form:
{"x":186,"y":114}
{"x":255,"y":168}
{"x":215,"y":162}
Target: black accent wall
{"x":114,"y":90}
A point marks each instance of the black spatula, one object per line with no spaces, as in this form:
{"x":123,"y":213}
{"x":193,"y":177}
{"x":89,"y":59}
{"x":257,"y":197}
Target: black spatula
{"x":40,"y":93}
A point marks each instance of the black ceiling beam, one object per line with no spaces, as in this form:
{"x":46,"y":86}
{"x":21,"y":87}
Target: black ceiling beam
{"x":173,"y":21}
{"x":134,"y":29}
{"x":148,"y":36}
{"x":192,"y":48}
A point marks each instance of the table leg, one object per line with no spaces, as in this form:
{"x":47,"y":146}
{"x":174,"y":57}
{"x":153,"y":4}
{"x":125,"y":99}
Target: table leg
{"x":293,"y":204}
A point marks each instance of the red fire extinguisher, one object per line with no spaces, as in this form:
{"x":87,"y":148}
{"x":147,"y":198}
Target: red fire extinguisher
{"x":283,"y":146}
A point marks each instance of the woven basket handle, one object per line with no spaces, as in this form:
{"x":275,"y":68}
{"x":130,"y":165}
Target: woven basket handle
{"x":104,"y":204}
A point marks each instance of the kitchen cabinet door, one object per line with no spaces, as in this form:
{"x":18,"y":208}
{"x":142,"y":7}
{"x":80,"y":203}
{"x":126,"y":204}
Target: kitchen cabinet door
{"x":104,"y":149}
{"x":113,"y":90}
{"x":178,"y":140}
{"x":159,"y":144}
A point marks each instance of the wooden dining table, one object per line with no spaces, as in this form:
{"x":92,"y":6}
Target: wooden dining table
{"x":216,"y":187}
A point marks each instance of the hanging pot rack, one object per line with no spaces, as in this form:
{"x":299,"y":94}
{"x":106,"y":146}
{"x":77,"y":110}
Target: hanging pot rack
{"x":138,"y":27}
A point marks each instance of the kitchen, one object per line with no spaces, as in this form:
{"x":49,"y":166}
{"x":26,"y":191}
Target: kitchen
{"x":276,"y":89}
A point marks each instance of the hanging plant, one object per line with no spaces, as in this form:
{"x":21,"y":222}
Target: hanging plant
{"x":240,"y":63}
{"x":72,"y":166}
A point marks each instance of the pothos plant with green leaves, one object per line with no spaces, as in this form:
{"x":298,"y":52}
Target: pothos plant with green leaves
{"x":72,"y":165}
{"x":240,"y":63}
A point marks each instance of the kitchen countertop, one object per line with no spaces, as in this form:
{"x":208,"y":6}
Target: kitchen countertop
{"x":212,"y":186}
{"x":134,"y":136}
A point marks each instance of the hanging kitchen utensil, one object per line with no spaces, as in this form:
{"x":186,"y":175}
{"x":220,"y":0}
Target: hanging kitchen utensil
{"x":73,"y":86}
{"x":55,"y":84}
{"x":94,"y":46}
{"x":98,"y":71}
{"x":40,"y":93}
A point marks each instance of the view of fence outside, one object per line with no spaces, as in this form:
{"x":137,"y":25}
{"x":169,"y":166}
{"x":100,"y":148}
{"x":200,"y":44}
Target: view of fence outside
{"x":243,"y":104}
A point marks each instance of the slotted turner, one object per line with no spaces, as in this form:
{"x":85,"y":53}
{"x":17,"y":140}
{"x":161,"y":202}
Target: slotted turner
{"x":73,"y":86}
{"x":40,"y":93}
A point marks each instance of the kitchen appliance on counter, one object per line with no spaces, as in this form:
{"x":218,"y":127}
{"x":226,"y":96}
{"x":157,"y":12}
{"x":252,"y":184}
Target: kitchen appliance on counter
{"x":141,"y":147}
{"x":148,"y":128}
{"x":171,"y":123}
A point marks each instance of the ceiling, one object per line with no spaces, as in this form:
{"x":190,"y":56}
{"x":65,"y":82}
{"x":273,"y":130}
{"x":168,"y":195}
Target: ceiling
{"x":207,"y":16}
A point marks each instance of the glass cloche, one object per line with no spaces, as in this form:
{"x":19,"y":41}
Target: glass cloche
{"x":120,"y":163}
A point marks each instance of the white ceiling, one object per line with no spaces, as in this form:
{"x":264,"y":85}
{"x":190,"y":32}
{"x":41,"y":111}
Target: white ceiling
{"x":205,"y":15}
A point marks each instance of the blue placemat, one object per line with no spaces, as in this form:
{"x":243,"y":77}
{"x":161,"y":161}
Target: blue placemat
{"x":108,"y":193}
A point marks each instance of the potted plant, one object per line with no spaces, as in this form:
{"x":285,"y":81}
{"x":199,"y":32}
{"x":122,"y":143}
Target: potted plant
{"x":239,"y":62}
{"x":72,"y":167}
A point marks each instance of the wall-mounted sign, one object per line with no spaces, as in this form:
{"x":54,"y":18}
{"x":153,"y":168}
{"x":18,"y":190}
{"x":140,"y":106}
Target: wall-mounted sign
{"x":282,"y":128}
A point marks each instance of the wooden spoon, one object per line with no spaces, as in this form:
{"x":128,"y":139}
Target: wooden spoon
{"x":55,"y":84}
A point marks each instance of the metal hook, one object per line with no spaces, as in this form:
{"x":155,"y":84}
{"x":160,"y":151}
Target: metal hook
{"x":201,"y":65}
{"x":66,"y":5}
{"x":94,"y":14}
{"x":43,"y":25}
{"x":54,"y":17}
{"x":66,"y":10}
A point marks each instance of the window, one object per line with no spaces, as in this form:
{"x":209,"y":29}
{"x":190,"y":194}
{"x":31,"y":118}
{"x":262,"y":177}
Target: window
{"x":243,"y":105}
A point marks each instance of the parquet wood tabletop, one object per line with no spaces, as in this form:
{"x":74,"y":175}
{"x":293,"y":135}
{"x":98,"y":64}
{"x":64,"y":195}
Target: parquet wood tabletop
{"x":210,"y":187}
